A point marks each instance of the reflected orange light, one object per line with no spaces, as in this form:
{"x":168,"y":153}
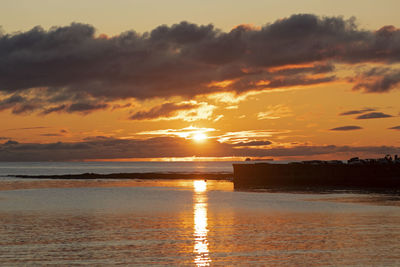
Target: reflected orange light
{"x":289,"y":67}
{"x":171,"y":159}
{"x":187,"y":132}
{"x":200,"y":186}
{"x":221,"y":84}
{"x":202,"y":257}
{"x":263,"y":82}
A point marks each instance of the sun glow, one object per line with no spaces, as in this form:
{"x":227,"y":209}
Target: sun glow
{"x":199,"y":137}
{"x":188,"y":132}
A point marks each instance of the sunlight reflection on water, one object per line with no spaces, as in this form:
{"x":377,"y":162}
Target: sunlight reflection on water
{"x":191,"y":222}
{"x":202,"y":257}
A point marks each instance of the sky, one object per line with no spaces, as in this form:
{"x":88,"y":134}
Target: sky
{"x":198,"y":80}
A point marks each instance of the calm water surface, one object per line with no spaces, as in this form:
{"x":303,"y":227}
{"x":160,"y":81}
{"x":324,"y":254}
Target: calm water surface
{"x":191,"y":223}
{"x":59,"y":168}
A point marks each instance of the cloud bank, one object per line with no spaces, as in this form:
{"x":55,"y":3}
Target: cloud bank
{"x":161,"y":147}
{"x":72,"y":69}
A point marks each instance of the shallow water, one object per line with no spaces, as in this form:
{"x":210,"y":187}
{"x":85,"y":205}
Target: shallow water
{"x":191,"y":223}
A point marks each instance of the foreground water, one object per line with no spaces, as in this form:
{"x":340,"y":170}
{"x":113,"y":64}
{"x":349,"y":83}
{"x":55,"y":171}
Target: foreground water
{"x":190,"y":223}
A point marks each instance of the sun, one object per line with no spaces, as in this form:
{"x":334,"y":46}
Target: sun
{"x":199,"y":137}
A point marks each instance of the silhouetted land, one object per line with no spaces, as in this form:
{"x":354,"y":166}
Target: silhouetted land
{"x":313,"y":176}
{"x":209,"y":176}
{"x":281,"y":177}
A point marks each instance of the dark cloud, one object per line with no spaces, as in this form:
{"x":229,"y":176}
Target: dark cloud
{"x":51,"y":134}
{"x":120,"y":106}
{"x":111,"y":148}
{"x":25,"y":108}
{"x":252,"y":143}
{"x":10,"y":143}
{"x":346,"y":128}
{"x":165,"y":110}
{"x":314,"y":69}
{"x":11,"y":101}
{"x":60,"y":69}
{"x":305,"y":151}
{"x":373,"y":115}
{"x":378,"y":80}
{"x":18,"y":104}
{"x":80,"y":107}
{"x":49,"y":110}
{"x":27,"y":128}
{"x":395,"y":128}
{"x":354,"y":112}
{"x":86,"y":107}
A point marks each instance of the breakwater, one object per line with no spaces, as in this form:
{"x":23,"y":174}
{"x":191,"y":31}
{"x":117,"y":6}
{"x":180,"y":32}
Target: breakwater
{"x":308,"y":176}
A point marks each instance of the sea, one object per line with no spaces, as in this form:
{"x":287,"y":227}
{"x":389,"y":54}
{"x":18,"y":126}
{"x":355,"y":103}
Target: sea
{"x":186,"y":222}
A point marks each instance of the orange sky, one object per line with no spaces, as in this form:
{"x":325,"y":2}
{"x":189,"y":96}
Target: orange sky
{"x":339,"y":102}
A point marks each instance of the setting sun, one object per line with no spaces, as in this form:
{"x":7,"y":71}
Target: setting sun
{"x":199,"y":137}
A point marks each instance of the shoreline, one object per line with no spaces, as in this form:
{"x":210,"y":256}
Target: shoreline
{"x":228,"y":177}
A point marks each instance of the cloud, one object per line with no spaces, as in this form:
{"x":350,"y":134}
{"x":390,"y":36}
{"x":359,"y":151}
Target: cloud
{"x":229,"y":97}
{"x":248,"y":136}
{"x":373,"y":115}
{"x":11,"y":101}
{"x":161,"y":147}
{"x":163,"y":111}
{"x":187,"y":132}
{"x":317,"y":68}
{"x":218,"y":118}
{"x":51,"y":134}
{"x":18,"y":104}
{"x":346,"y":128}
{"x":86,"y":107}
{"x":110,"y":148}
{"x":354,"y":112}
{"x":334,"y":151}
{"x":67,"y":69}
{"x":62,"y":132}
{"x":79,"y":107}
{"x":49,"y":110}
{"x":395,"y":128}
{"x":187,"y":111}
{"x":275,"y":112}
{"x":378,"y":80}
{"x":121,"y":106}
{"x":252,"y":143}
{"x":27,"y":128}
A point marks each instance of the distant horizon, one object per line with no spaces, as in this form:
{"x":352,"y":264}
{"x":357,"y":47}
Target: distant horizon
{"x":200,"y":160}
